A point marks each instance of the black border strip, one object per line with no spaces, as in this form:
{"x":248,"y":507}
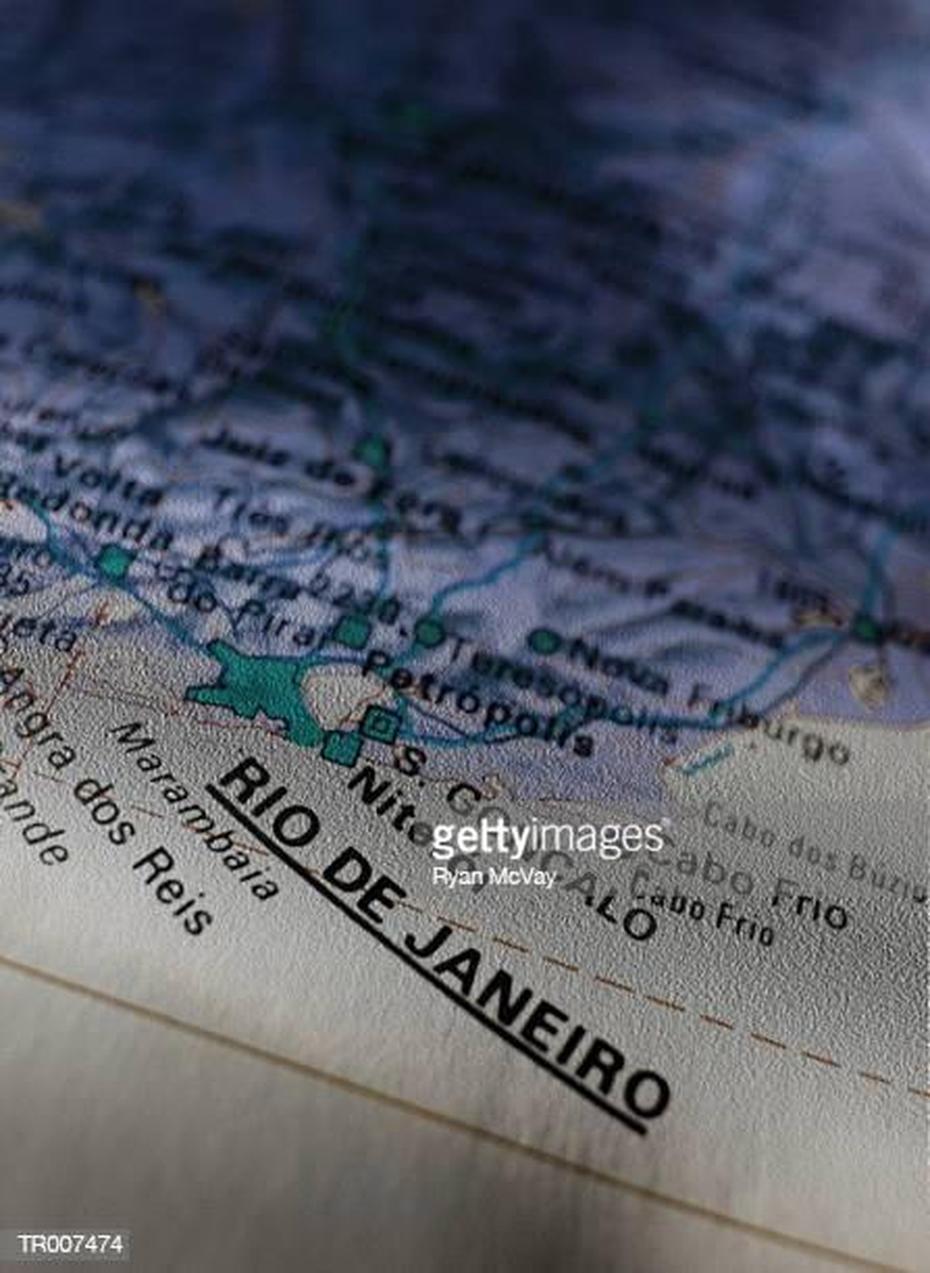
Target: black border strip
{"x":411,"y":962}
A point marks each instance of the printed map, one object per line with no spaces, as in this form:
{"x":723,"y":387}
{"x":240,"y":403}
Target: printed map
{"x":517,"y":408}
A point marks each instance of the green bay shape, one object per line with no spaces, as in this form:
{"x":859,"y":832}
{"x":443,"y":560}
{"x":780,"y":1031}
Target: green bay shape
{"x":249,"y":684}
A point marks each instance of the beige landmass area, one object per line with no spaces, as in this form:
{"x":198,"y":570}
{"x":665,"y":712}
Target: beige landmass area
{"x":797,"y":1070}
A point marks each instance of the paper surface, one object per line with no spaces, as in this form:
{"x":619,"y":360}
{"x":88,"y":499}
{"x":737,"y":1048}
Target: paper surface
{"x":794,"y":1069}
{"x":423,"y":420}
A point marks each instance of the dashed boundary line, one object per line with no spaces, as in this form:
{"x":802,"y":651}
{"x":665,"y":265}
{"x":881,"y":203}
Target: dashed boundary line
{"x":657,"y":1001}
{"x":667,"y":1004}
